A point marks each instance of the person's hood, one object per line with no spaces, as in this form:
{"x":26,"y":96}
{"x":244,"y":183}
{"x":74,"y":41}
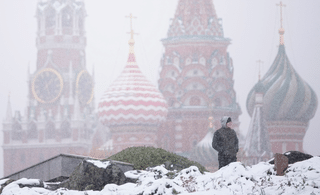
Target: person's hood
{"x":224,"y":121}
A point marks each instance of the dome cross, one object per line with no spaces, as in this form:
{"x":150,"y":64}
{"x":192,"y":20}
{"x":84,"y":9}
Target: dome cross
{"x":281,"y":30}
{"x":131,"y":29}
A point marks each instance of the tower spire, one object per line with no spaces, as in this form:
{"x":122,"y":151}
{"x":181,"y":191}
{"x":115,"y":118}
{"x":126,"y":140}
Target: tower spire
{"x":281,"y":30}
{"x":131,"y":42}
{"x":9,"y":111}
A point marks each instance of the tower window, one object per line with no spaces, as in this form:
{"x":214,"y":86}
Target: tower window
{"x":50,"y":17}
{"x":16,"y":131}
{"x":32,"y":132}
{"x":65,"y":130}
{"x":195,"y":86}
{"x":67,"y":19}
{"x":81,"y":23}
{"x":284,"y":147}
{"x":195,"y":72}
{"x":50,"y":131}
{"x":195,"y":101}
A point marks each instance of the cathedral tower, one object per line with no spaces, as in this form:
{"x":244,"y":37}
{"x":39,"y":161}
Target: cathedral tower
{"x":196,"y":76}
{"x":288,"y":102}
{"x":59,"y":115}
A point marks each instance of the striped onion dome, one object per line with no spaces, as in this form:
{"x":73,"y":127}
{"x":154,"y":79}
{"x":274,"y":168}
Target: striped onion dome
{"x":132,"y":99}
{"x":203,"y":152}
{"x":287,"y":97}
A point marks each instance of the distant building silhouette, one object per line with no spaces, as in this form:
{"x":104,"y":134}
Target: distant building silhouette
{"x":59,"y":117}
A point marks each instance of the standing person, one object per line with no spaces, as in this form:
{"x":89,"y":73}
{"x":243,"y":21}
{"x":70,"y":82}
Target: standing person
{"x":225,"y":141}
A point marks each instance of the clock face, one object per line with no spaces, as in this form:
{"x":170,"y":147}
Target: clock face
{"x":47,"y":85}
{"x":84,"y":87}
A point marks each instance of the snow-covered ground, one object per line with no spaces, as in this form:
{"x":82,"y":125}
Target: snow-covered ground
{"x":300,"y":178}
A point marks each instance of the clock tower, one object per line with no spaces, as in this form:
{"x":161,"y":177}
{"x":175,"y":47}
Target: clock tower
{"x":59,"y":117}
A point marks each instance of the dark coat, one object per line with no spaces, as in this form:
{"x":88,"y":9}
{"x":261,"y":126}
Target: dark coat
{"x":225,"y":140}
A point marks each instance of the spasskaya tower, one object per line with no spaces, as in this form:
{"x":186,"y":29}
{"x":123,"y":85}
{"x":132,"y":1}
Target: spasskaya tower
{"x":59,"y":115}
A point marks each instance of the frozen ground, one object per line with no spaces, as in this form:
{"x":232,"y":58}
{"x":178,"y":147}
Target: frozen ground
{"x":300,"y":178}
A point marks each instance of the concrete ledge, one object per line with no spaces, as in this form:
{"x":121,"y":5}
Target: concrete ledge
{"x":58,"y":168}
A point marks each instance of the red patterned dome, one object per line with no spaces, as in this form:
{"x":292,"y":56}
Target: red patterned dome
{"x":132,"y":99}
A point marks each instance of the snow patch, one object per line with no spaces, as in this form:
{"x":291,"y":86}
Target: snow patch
{"x":99,"y":163}
{"x":300,"y":178}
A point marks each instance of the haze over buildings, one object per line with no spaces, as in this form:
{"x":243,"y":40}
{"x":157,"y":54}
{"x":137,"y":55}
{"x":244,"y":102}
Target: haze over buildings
{"x":252,"y":26}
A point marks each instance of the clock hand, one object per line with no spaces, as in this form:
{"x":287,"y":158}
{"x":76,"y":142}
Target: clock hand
{"x":47,"y":86}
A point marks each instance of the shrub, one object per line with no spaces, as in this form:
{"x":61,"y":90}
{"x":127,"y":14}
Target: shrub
{"x":142,"y":157}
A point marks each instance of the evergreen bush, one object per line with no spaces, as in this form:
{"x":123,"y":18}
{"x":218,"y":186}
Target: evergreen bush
{"x":142,"y":157}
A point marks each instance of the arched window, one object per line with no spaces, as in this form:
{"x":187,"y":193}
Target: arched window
{"x":32,"y":132}
{"x":214,"y":62}
{"x":195,"y":101}
{"x":176,"y":61}
{"x":50,"y":18}
{"x":81,"y":22}
{"x":65,"y":130}
{"x":67,"y":19}
{"x":50,"y":131}
{"x":16,"y":131}
{"x":171,"y":102}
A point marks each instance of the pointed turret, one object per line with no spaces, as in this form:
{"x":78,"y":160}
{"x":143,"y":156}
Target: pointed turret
{"x":8,"y":118}
{"x":257,"y":146}
{"x":195,"y":18}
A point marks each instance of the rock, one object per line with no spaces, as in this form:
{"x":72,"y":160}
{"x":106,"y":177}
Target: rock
{"x":5,"y":184}
{"x":170,"y":166}
{"x":294,"y":156}
{"x":280,"y":163}
{"x":88,"y":176}
{"x":38,"y":184}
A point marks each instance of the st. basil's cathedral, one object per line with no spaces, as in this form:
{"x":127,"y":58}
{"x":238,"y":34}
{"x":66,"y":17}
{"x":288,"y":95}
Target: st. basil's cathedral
{"x":195,"y":89}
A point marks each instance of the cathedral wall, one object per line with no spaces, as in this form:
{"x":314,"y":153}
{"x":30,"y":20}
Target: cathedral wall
{"x":286,"y":135}
{"x":122,"y":140}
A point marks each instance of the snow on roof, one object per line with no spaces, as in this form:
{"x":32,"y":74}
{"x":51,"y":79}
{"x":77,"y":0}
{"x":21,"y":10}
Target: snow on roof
{"x":99,"y":163}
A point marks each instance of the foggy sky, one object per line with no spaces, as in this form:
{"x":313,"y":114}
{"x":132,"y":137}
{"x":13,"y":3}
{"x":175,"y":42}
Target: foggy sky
{"x":251,"y":25}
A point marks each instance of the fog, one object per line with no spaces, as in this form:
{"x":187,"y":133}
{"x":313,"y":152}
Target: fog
{"x":251,"y":25}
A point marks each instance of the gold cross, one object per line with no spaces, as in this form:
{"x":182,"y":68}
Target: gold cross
{"x":131,"y":30}
{"x":281,"y":5}
{"x":259,"y":66}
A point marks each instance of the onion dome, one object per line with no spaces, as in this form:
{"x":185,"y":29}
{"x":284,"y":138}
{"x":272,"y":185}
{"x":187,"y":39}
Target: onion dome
{"x":287,"y":97}
{"x":203,"y":152}
{"x":131,"y":98}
